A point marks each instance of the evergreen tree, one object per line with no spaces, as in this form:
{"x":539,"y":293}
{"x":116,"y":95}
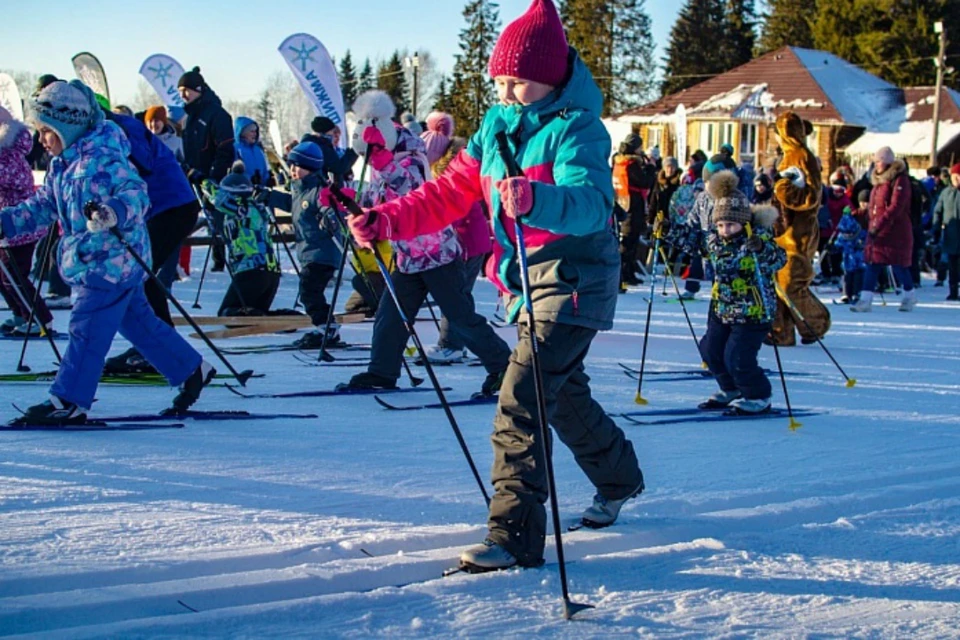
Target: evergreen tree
{"x":696,"y":50}
{"x":264,"y":111}
{"x":739,"y":37}
{"x":391,"y":79}
{"x":348,"y":81}
{"x":614,"y":40}
{"x":365,"y":81}
{"x":787,"y":22}
{"x":473,"y":92}
{"x":837,"y":26}
{"x":443,"y":101}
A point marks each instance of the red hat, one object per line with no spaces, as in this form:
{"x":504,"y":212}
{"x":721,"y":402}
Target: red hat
{"x":955,"y":169}
{"x":533,"y":47}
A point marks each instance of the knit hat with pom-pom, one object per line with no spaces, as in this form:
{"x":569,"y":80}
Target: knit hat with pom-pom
{"x":237,"y":181}
{"x":437,"y":136}
{"x":192,"y":80}
{"x":533,"y":47}
{"x":730,"y":204}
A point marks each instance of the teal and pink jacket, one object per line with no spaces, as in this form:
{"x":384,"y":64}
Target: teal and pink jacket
{"x":563,"y":148}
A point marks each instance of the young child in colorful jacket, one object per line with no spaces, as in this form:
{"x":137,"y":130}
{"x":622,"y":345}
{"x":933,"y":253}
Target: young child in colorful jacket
{"x":90,"y":173}
{"x":550,"y":109}
{"x":851,"y":239}
{"x":252,"y":257}
{"x":744,"y":256}
{"x":427,"y":262}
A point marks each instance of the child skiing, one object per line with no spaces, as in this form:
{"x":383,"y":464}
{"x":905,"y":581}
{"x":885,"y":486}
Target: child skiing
{"x":252,"y":259}
{"x":744,"y":256}
{"x":851,"y":238}
{"x":16,"y":185}
{"x":550,"y":108}
{"x":90,"y":170}
{"x":426,"y":262}
{"x":317,"y":253}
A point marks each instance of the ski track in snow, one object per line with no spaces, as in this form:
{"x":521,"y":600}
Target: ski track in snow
{"x":341,"y":526}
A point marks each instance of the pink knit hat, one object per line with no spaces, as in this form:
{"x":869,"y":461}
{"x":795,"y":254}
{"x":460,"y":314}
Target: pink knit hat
{"x":533,"y":47}
{"x":437,"y":135}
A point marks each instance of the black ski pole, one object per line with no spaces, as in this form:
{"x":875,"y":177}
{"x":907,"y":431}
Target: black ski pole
{"x":16,"y":280}
{"x":44,"y":269}
{"x":241,"y":377}
{"x":354,"y":209}
{"x":569,"y":608}
{"x":203,"y":274}
{"x":639,"y":399}
{"x":323,"y":356}
{"x":683,"y":304}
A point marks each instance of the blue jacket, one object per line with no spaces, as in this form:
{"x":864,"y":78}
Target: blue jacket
{"x":167,"y":186}
{"x":252,"y":155}
{"x":851,"y":238}
{"x":95,"y":167}
{"x":314,"y":230}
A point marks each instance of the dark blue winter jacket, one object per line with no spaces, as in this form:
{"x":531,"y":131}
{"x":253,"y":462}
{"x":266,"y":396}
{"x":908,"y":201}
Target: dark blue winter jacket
{"x":313,"y":229}
{"x":167,"y":186}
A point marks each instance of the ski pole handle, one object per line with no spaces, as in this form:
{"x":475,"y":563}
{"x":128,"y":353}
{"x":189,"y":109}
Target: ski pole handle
{"x":503,"y":146}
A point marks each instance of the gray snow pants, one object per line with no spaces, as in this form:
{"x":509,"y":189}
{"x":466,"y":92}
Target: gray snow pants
{"x":518,"y":520}
{"x":448,"y":286}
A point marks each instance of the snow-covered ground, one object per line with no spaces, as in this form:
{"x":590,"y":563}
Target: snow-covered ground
{"x":340,"y":526}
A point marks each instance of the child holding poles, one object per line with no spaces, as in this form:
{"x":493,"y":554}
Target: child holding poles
{"x":550,"y":107}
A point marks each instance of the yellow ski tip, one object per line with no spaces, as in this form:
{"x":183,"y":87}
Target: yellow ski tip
{"x":794,"y":425}
{"x":851,"y":383}
{"x":640,"y":400}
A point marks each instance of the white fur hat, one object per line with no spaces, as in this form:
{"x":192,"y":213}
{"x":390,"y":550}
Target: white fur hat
{"x":374,"y":108}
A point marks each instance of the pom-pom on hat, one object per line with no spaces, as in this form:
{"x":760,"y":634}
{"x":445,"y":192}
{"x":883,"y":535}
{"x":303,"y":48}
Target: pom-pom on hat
{"x":730,"y":204}
{"x":237,"y":181}
{"x":437,"y":136}
{"x":307,"y":155}
{"x":533,"y":47}
{"x":192,"y":80}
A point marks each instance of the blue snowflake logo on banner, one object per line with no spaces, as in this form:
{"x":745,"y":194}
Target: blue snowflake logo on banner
{"x":161,"y":73}
{"x":304,"y":55}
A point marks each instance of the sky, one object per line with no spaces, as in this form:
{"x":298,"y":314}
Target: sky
{"x":235,"y":43}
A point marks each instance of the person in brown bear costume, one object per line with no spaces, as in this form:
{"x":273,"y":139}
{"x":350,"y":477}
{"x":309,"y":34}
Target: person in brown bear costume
{"x":797,"y":193}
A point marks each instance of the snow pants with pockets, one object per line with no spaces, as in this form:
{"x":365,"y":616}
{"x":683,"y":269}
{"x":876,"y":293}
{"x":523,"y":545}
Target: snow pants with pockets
{"x":313,"y":281}
{"x":99,"y":313}
{"x":447,"y":285}
{"x":450,"y":339}
{"x":167,"y":230}
{"x":518,"y":520}
{"x":730,"y":351}
{"x":18,"y":260}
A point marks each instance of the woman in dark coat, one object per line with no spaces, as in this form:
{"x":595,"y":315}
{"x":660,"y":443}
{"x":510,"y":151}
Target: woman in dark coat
{"x":890,"y":231}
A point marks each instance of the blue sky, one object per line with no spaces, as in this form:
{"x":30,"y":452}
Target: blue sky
{"x":235,"y":43}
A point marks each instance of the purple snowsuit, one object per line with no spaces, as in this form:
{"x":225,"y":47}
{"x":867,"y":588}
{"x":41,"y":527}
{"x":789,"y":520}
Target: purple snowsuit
{"x":106,"y":280}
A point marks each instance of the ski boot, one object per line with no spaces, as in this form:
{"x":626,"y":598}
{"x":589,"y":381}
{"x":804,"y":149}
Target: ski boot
{"x":909,"y":300}
{"x":130,"y":361}
{"x":486,"y":556}
{"x":191,"y":389}
{"x":11,"y":324}
{"x":864,"y":304}
{"x":745,"y":407}
{"x":367,"y":380}
{"x":492,"y":383}
{"x":603,"y":512}
{"x":719,"y":400}
{"x":54,"y":411}
{"x":442,"y":355}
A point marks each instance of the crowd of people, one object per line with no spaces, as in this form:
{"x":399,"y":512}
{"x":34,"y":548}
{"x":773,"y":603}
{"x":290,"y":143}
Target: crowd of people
{"x":436,"y":209}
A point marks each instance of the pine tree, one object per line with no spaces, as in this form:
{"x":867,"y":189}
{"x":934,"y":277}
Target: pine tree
{"x":443,"y":101}
{"x":695,"y":51}
{"x":614,"y":40}
{"x":472,"y":89}
{"x":787,"y":22}
{"x":264,"y":111}
{"x":365,"y":81}
{"x":390,"y":78}
{"x":739,"y":37}
{"x":837,"y":28}
{"x":348,"y":81}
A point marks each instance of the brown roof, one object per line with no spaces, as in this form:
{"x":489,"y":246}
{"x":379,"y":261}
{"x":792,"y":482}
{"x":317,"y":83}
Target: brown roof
{"x":919,"y":101}
{"x":814,"y":84}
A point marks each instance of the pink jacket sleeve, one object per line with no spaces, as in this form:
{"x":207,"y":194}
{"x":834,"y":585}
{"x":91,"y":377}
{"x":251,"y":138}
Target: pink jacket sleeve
{"x":435,"y":204}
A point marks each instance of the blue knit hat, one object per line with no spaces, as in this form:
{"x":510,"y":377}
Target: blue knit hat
{"x":237,"y":182}
{"x":307,"y":155}
{"x":69,"y":108}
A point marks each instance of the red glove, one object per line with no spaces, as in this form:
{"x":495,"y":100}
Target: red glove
{"x":377,"y":151}
{"x":369,"y":227}
{"x":327,"y":198}
{"x":516,"y":194}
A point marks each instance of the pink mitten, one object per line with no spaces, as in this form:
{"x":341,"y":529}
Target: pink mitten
{"x":377,"y":150}
{"x":369,"y":227}
{"x":516,"y":194}
{"x":328,"y":200}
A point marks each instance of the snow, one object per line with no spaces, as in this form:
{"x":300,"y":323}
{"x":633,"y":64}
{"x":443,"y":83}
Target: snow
{"x":913,"y":139}
{"x":340,"y":526}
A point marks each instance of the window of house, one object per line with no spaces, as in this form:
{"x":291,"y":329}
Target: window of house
{"x":706,"y":140}
{"x":727,"y":130}
{"x":748,"y":141}
{"x":655,"y":135}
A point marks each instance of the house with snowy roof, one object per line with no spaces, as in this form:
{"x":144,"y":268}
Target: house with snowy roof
{"x":841,"y":102}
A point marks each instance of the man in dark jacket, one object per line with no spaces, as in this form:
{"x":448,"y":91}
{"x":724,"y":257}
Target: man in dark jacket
{"x":336,"y":163}
{"x":208,"y":149}
{"x":946,"y":230}
{"x":634,"y":176}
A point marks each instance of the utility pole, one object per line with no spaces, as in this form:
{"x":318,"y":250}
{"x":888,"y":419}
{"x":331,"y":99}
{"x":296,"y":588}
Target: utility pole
{"x":414,"y":63}
{"x":938,"y":28}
